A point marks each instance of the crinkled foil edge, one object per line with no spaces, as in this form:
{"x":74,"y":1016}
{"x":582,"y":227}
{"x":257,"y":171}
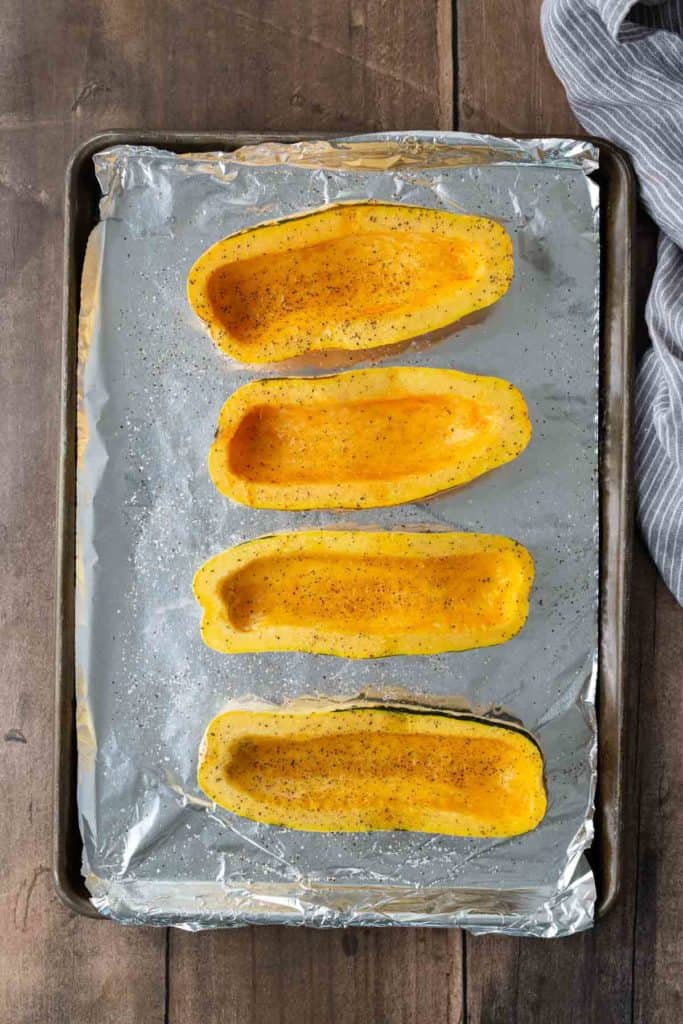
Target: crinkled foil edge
{"x":541,"y":913}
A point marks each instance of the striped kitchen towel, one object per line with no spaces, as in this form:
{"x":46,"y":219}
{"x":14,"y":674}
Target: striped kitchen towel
{"x":622,"y":67}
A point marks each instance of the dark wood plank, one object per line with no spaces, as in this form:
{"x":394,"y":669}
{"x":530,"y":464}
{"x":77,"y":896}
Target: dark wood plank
{"x":254,"y":65}
{"x":505,"y":84}
{"x":54,"y":967}
{"x":296,"y":976}
{"x":68,"y":70}
{"x":658,"y":981}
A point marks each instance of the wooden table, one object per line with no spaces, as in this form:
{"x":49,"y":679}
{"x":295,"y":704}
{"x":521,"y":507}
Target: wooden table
{"x":73,"y":67}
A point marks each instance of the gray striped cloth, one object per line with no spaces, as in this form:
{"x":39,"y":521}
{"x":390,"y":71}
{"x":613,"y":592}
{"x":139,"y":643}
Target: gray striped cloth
{"x":621,"y":64}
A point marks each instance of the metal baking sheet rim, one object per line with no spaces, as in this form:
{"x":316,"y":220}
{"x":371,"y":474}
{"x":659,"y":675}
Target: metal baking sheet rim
{"x":616,"y":496}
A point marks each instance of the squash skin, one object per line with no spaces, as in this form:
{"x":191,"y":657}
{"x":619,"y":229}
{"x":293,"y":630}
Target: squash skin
{"x":373,"y":767}
{"x":360,"y":594}
{"x":365,"y":438}
{"x":349,"y":276}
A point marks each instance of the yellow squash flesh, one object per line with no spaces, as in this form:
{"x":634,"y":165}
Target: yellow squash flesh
{"x":359,"y":769}
{"x":359,"y":594}
{"x":364,"y":439}
{"x":349,"y":276}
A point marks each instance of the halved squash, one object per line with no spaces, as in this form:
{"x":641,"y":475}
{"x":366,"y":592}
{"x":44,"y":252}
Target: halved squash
{"x":349,"y":276}
{"x":358,"y":594}
{"x":364,"y":438}
{"x":365,"y":768}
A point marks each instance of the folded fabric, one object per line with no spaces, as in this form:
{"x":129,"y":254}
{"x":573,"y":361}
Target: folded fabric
{"x":622,"y":67}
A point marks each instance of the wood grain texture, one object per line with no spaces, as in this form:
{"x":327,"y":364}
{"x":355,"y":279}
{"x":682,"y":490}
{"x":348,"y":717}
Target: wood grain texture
{"x":296,"y":976}
{"x":658,"y":925}
{"x":505,"y":83}
{"x":68,"y":70}
{"x":54,"y":967}
{"x":256,"y":64}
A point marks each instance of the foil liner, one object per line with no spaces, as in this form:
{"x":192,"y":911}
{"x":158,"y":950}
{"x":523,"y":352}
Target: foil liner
{"x":151,"y":385}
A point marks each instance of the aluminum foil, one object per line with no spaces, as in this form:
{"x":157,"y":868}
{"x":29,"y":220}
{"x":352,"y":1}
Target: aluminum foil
{"x":150,"y":390}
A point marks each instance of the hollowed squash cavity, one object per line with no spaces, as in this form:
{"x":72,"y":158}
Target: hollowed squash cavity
{"x":365,"y":768}
{"x":359,"y":594}
{"x":364,"y":439}
{"x":349,"y":276}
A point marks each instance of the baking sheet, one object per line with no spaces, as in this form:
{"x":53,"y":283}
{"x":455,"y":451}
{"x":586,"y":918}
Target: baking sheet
{"x":152,"y":385}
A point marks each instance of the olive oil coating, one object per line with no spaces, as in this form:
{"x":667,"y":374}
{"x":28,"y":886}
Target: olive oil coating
{"x":348,"y":276}
{"x":369,"y":768}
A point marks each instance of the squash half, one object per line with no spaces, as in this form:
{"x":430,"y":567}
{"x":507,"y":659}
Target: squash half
{"x":358,"y":594}
{"x":349,"y":276}
{"x":365,"y":438}
{"x":361,"y":769}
